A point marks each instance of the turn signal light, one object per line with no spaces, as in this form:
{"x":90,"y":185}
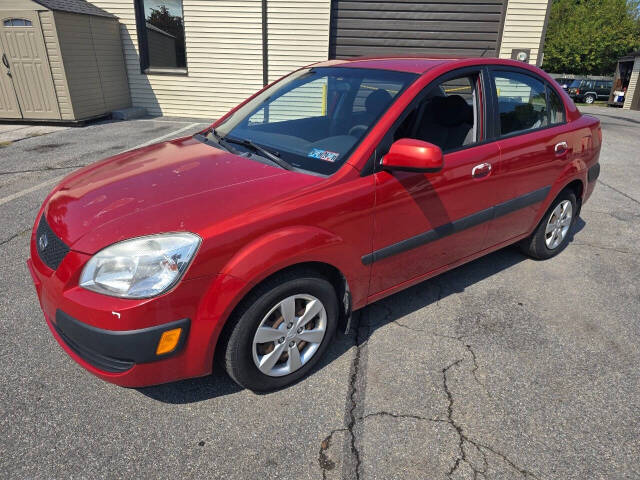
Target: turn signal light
{"x":168,"y":341}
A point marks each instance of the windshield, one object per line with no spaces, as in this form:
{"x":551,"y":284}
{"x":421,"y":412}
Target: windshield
{"x":314,"y":118}
{"x":575,"y":83}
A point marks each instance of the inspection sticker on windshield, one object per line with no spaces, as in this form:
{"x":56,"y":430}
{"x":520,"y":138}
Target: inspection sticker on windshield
{"x":325,"y":155}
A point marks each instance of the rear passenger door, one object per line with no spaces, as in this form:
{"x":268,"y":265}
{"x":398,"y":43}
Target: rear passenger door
{"x":534,"y":147}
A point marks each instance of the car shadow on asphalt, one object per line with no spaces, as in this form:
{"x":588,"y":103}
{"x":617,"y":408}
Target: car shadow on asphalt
{"x":403,"y":303}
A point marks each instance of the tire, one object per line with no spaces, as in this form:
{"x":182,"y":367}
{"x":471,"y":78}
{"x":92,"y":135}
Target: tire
{"x":589,"y":99}
{"x":265,"y":308}
{"x":542,"y":244}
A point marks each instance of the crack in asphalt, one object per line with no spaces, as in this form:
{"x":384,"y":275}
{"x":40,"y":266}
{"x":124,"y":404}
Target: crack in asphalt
{"x":619,"y":191}
{"x":4,"y":242}
{"x":324,"y":461}
{"x":604,"y":247}
{"x":462,"y":457}
{"x":44,"y":169}
{"x":355,"y":398}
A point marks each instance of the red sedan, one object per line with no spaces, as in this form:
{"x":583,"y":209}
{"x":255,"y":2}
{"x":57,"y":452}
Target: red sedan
{"x":336,"y":186}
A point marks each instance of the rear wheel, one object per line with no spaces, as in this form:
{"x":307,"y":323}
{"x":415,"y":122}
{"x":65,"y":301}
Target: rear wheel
{"x":552,"y":233}
{"x":589,"y":99}
{"x":281,"y":331}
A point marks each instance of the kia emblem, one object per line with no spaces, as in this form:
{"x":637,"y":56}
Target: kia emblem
{"x":43,"y":241}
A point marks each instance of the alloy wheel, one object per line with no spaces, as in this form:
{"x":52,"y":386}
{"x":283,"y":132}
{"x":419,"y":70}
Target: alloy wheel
{"x":558,"y":224}
{"x":289,"y":335}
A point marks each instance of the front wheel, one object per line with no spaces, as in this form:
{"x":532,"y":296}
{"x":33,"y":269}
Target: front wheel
{"x":552,"y":233}
{"x":281,"y":331}
{"x":589,"y":99}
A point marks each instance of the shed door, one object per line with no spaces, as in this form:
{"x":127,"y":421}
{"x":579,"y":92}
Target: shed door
{"x":29,"y":72}
{"x":8,"y":101}
{"x":449,"y":27}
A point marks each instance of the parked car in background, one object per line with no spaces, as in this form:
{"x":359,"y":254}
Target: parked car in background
{"x":336,"y":186}
{"x":588,"y":91}
{"x":564,"y":82}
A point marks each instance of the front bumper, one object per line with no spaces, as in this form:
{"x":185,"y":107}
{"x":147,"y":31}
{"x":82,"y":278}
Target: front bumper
{"x":116,"y":351}
{"x":116,"y":339}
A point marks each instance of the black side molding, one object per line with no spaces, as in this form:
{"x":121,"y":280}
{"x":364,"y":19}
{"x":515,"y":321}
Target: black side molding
{"x":593,"y":173}
{"x":115,"y":350}
{"x":458,"y":225}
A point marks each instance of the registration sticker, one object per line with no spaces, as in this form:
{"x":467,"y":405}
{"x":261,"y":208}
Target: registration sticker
{"x":325,"y":155}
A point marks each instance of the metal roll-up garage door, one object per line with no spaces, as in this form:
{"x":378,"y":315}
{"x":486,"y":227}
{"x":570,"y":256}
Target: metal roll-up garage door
{"x":468,"y":27}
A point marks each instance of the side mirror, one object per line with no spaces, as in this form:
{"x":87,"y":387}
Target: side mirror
{"x":412,"y":155}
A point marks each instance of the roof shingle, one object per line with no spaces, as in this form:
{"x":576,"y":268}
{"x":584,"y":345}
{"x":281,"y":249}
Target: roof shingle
{"x":74,"y":6}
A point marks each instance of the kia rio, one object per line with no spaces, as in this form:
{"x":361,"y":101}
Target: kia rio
{"x":335,"y":186}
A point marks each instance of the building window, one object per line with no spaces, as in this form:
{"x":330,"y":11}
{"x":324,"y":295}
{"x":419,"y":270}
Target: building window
{"x":17,"y":22}
{"x":161,"y":38}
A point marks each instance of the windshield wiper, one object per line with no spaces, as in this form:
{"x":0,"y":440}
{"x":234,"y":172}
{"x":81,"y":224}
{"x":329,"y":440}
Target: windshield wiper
{"x":218,"y":140}
{"x":273,"y":156}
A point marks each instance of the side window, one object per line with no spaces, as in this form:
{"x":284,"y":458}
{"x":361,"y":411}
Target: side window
{"x":556,"y":107}
{"x":447,"y":116}
{"x":522,"y":103}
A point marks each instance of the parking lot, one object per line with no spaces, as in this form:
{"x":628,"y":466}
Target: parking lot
{"x":503,"y":368}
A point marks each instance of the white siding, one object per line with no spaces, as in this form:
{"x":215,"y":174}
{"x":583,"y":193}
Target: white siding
{"x":224,"y":52}
{"x":298,"y":34}
{"x":632,"y":98}
{"x":224,"y":58}
{"x":523,"y":25}
{"x":55,"y":61}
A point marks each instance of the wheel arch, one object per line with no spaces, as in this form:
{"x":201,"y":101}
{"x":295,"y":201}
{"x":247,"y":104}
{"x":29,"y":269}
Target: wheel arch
{"x":577,"y":186}
{"x":326,"y":270}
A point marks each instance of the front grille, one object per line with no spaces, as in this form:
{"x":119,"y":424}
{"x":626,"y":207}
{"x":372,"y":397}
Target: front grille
{"x":50,"y":248}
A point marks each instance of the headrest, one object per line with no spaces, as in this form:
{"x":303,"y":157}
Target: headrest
{"x":377,"y":100}
{"x":452,"y":111}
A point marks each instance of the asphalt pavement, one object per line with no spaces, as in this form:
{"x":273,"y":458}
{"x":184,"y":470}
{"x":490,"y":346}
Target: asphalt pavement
{"x":504,"y":368}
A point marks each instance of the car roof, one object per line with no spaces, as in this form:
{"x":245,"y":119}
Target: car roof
{"x":413,"y":64}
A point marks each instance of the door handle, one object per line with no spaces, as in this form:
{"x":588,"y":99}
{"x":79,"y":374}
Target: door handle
{"x":481,"y":170}
{"x":561,"y":148}
{"x":4,"y":60}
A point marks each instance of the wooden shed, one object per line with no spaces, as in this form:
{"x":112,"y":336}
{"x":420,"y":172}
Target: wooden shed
{"x":62,"y":60}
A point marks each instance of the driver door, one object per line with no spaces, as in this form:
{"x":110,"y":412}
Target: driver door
{"x":426,"y":221}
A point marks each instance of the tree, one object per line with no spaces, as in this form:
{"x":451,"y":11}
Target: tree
{"x":587,"y":37}
{"x":161,"y":18}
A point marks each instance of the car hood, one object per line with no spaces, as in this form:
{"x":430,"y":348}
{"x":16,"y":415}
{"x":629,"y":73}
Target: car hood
{"x":181,"y":185}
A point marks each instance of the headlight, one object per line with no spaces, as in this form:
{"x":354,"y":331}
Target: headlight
{"x":142,"y":267}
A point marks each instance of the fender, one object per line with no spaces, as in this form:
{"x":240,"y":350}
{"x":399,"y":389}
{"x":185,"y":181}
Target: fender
{"x":274,"y":252}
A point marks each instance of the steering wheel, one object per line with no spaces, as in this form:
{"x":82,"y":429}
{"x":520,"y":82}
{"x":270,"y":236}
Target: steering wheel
{"x":357,"y":130}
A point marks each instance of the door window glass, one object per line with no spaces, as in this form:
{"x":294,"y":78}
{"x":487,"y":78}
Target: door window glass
{"x":447,"y":117}
{"x":522,"y":102}
{"x":556,"y":107}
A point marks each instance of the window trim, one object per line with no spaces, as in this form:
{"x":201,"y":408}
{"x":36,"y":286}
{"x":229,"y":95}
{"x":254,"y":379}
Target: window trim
{"x":496,"y":111}
{"x":374,"y":164}
{"x":143,"y":45}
